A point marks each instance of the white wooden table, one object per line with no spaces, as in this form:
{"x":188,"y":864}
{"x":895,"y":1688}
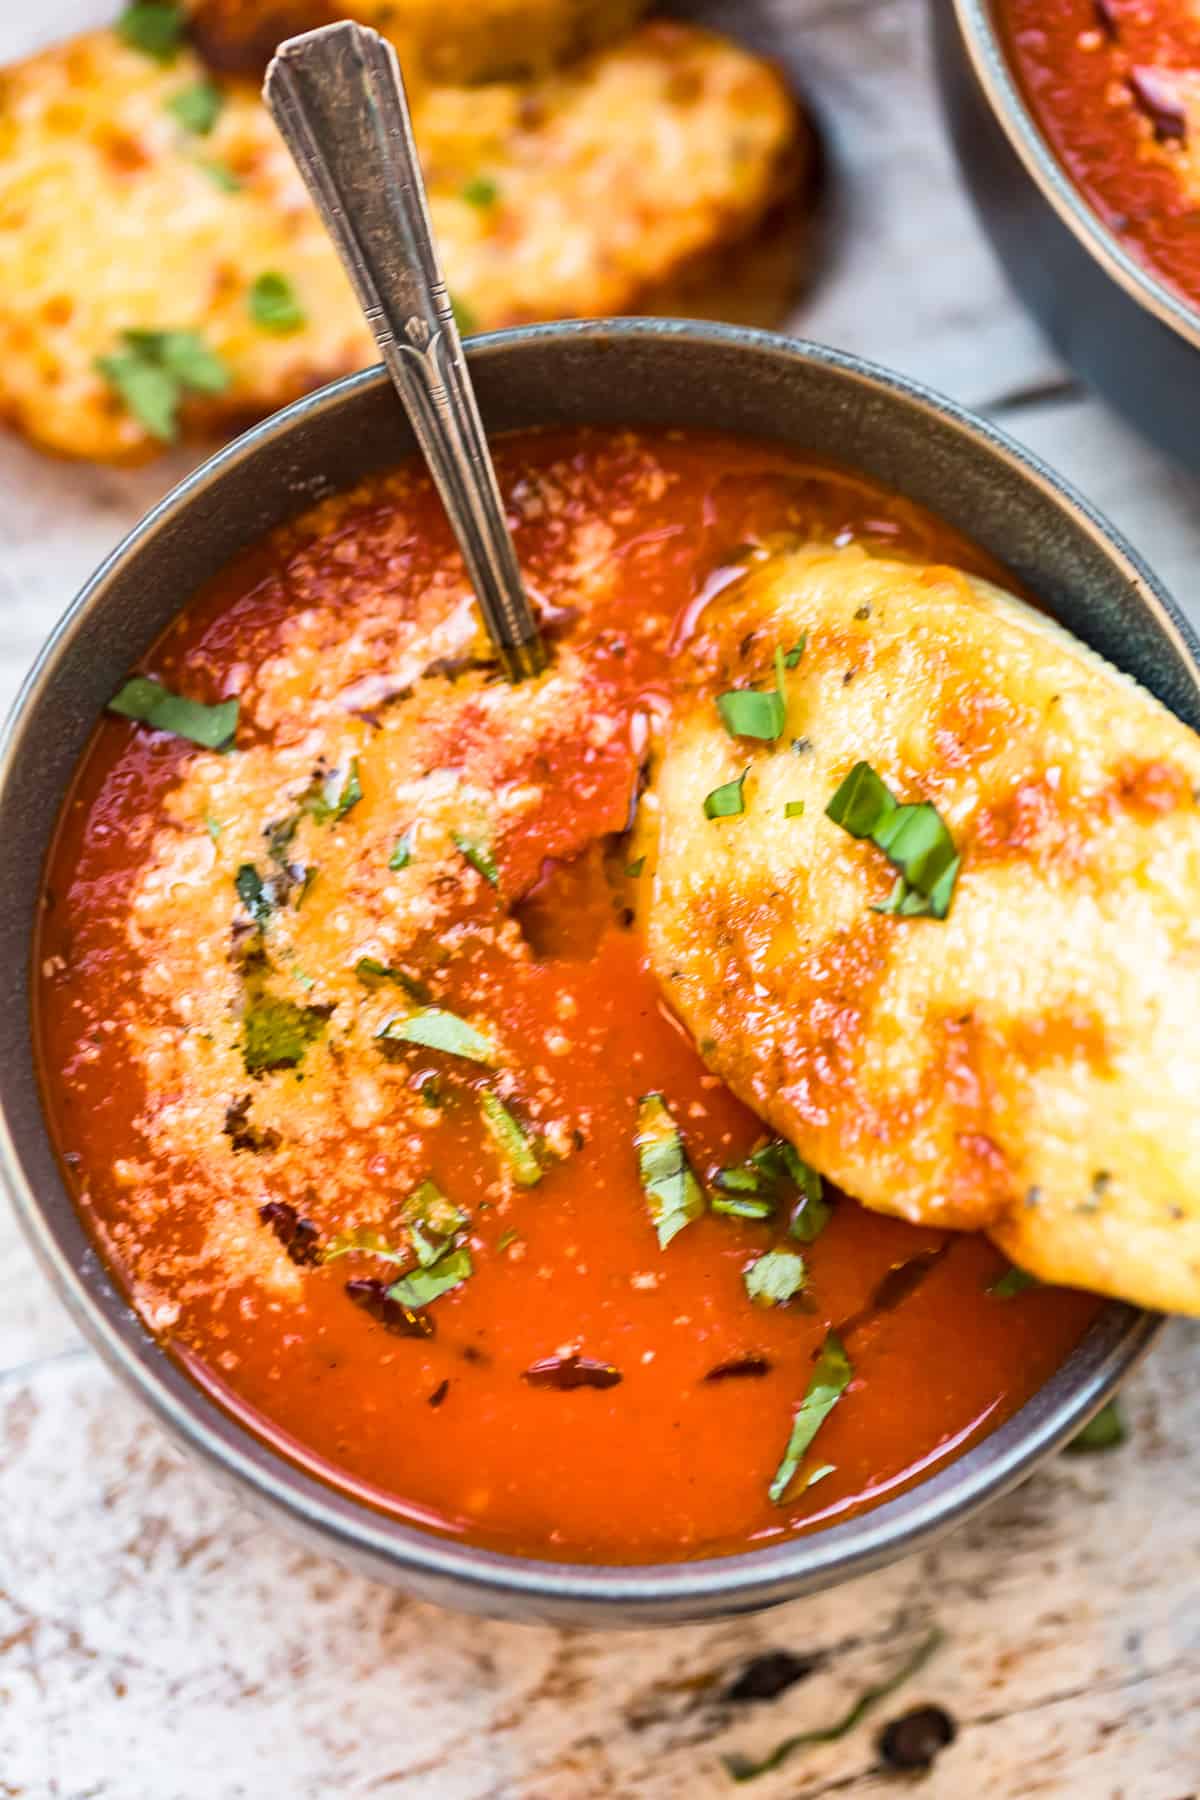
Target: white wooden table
{"x":158,"y":1643}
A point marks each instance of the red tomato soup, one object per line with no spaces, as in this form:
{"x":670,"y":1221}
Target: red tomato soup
{"x":347,"y":1032}
{"x":1115,"y":87}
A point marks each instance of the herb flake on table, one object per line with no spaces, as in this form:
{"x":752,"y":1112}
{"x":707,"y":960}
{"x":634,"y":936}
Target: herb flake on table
{"x":153,"y":371}
{"x":197,"y":107}
{"x":744,"y":1768}
{"x":915,"y":839}
{"x":274,"y":304}
{"x":828,"y":1382}
{"x":435,"y":1028}
{"x":516,"y":1145}
{"x":674,"y":1198}
{"x":149,"y":703}
{"x":774,"y":1278}
{"x":276,"y":1033}
{"x":155,"y":27}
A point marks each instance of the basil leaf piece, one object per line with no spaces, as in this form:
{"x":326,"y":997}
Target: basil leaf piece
{"x":363,"y":1240}
{"x":335,"y":797}
{"x":762,"y":1182}
{"x":726,"y":802}
{"x":914,"y":838}
{"x":748,"y":712}
{"x":512,"y":1140}
{"x":775,"y":1278}
{"x":673,"y":1195}
{"x":421,"y":1286}
{"x":197,"y":107}
{"x":401,"y":854}
{"x":428,"y":1209}
{"x":437,"y":1029}
{"x":478,"y":855}
{"x":830,"y":1379}
{"x":155,"y":27}
{"x":634,"y":869}
{"x":1106,"y":1430}
{"x":255,"y":895}
{"x":797,"y":651}
{"x":1014,"y":1281}
{"x":480,"y":191}
{"x":742,"y":1768}
{"x":154,"y":369}
{"x":274,"y":304}
{"x":220,"y":174}
{"x":276,"y":1033}
{"x":794,"y":809}
{"x":742,"y":1206}
{"x":148,"y":702}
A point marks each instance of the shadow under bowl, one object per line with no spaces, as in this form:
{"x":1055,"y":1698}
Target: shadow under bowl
{"x":625,"y":372}
{"x":1125,"y":331}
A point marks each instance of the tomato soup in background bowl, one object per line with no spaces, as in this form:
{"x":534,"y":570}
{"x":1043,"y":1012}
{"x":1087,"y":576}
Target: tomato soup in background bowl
{"x":1068,"y":120}
{"x":621,"y":413}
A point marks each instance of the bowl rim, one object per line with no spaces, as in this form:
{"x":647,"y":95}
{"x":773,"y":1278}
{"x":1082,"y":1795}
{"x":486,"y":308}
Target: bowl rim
{"x":499,"y":1581}
{"x":996,"y":77}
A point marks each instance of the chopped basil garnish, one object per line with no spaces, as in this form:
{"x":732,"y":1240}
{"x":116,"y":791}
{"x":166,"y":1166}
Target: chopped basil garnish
{"x":1014,"y":1281}
{"x":363,"y":1240}
{"x":220,"y":174}
{"x":749,"y":712}
{"x":274,"y":305}
{"x":375,"y":1297}
{"x":437,"y":1029}
{"x":420,"y":1286}
{"x":481,"y":191}
{"x":197,"y":107}
{"x":401,"y":853}
{"x":797,"y":651}
{"x":914,"y":838}
{"x":432,"y":1221}
{"x":634,"y":869}
{"x":155,"y":369}
{"x":754,"y":1188}
{"x":794,"y":809}
{"x":830,"y":1379}
{"x":775,"y":1278}
{"x":255,"y":894}
{"x":743,"y":1769}
{"x":276,"y":1033}
{"x":373,"y":974}
{"x":1105,"y":1431}
{"x":512,"y":1140}
{"x":155,"y":27}
{"x":147,"y":701}
{"x":334,"y":797}
{"x":673,"y":1195}
{"x":726,"y":802}
{"x":478,"y":855}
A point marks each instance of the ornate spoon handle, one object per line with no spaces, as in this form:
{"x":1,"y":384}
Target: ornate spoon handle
{"x":338,"y":98}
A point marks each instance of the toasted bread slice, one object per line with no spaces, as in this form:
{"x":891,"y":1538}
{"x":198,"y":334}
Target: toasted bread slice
{"x":438,"y":40}
{"x":1025,"y":1065}
{"x":583,"y":194}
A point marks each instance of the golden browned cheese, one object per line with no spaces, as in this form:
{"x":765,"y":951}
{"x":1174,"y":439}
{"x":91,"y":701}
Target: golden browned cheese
{"x":1029,"y":1064}
{"x":586,"y":193}
{"x":438,"y":40}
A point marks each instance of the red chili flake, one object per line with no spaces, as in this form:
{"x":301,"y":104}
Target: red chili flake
{"x":566,"y":1372}
{"x":740,"y":1366}
{"x":1160,"y":96}
{"x":374,"y":1298}
{"x":299,"y":1237}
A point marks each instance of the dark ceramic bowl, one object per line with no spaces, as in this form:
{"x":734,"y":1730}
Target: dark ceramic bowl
{"x":1125,"y":331}
{"x":630,"y":371}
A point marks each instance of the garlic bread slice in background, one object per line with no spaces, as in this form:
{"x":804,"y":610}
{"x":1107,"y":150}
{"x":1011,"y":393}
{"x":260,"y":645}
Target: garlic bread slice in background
{"x":1027,"y":1064}
{"x":438,"y":40}
{"x":142,"y":196}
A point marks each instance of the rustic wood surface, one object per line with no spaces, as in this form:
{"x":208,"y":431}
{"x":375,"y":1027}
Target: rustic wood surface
{"x":158,"y":1643}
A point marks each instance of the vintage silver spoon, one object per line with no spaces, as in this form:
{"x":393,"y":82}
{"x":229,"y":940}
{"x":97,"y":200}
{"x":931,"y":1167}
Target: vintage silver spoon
{"x":338,"y":98}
